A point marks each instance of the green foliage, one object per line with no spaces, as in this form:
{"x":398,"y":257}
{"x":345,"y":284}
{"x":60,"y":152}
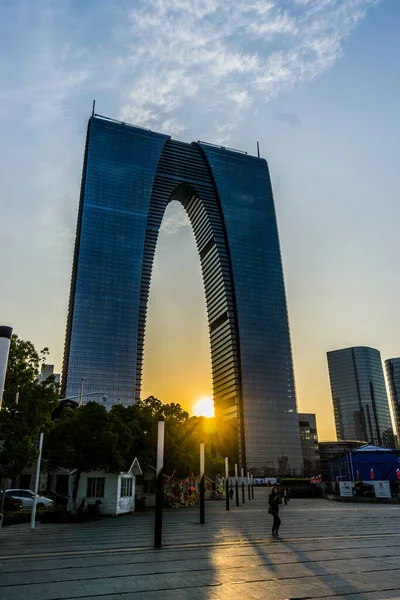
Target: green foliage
{"x":27,"y":407}
{"x":87,"y":439}
{"x":90,"y":439}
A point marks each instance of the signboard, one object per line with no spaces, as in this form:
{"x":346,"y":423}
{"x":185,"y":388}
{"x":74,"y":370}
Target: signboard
{"x":382,"y":489}
{"x":346,"y":489}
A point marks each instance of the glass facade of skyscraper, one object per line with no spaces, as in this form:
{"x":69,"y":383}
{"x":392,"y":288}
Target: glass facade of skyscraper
{"x":360,"y":401}
{"x":129,"y":177}
{"x":309,"y":444}
{"x":392,"y":366}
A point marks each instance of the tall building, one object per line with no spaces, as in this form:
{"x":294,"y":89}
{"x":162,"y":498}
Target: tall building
{"x":46,"y":371}
{"x":129,"y":177}
{"x":309,"y":444}
{"x":392,"y":366}
{"x":360,"y":402}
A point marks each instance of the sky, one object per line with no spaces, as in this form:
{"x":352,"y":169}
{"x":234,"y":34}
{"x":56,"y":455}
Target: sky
{"x":316,"y":82}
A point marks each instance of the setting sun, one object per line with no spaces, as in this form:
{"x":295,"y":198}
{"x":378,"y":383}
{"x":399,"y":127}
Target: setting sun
{"x":204,"y":407}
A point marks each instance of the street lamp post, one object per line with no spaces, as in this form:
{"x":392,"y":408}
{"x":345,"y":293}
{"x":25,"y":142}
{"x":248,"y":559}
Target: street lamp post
{"x":81,"y":394}
{"x":5,"y":340}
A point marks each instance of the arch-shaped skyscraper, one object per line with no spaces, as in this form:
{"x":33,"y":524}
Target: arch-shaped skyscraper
{"x":129,"y":176}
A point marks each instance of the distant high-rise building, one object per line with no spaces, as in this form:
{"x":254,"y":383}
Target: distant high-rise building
{"x":392,"y":366}
{"x":360,"y":401}
{"x":46,"y":371}
{"x":129,"y":177}
{"x":309,"y":443}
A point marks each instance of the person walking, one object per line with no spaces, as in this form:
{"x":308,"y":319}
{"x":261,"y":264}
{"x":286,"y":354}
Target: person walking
{"x":274,"y":502}
{"x":285,"y":496}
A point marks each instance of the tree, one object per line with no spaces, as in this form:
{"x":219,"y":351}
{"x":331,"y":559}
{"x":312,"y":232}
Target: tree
{"x":27,"y":407}
{"x":88,"y":439}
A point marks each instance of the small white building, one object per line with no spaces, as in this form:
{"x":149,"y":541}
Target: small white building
{"x":114,"y":491}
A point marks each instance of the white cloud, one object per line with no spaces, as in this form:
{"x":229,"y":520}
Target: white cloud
{"x":190,"y":68}
{"x":196,"y":57}
{"x":175,"y":220}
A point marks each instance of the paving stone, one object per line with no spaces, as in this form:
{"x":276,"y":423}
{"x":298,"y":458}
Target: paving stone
{"x":329,"y":550}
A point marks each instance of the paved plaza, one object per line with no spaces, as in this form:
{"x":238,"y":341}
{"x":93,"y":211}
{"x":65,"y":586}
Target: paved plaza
{"x":329,"y":550}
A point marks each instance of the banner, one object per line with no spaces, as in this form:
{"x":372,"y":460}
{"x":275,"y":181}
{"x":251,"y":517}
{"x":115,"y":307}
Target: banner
{"x":346,"y":489}
{"x":382,"y":489}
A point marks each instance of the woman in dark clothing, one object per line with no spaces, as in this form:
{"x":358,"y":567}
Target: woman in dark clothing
{"x":274,"y":502}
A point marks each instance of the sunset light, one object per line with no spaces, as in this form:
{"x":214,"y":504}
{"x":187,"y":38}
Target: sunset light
{"x":204,"y":407}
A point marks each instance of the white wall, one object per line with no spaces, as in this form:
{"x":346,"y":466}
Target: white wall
{"x":112,"y":503}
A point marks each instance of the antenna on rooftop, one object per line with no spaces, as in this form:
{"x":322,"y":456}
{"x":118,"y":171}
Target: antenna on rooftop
{"x":94,"y":104}
{"x":258,"y":149}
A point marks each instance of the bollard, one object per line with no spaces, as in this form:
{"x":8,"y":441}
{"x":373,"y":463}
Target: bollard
{"x":202,"y":503}
{"x":226,"y":483}
{"x":159,"y":486}
{"x":202,"y":512}
{"x":236,"y":485}
{"x":242,"y":478}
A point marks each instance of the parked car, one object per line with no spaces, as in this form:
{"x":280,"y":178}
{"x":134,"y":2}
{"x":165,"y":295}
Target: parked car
{"x":58,"y":499}
{"x":27,"y":498}
{"x":10,"y":503}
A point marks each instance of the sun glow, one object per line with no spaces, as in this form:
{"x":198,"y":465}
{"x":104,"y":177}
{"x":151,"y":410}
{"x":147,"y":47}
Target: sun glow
{"x":204,"y":407}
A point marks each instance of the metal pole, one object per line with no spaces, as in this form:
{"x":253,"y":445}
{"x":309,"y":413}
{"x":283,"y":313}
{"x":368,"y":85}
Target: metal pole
{"x":39,"y":460}
{"x":202,"y":512}
{"x":226,"y":483}
{"x":248,"y":485}
{"x":159,"y":486}
{"x":242,"y":478}
{"x":5,"y":340}
{"x":237,"y":485}
{"x":81,"y":394}
{"x":252,"y":487}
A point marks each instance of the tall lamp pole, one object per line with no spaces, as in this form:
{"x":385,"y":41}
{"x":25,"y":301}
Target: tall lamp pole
{"x":81,"y":394}
{"x":5,"y":340}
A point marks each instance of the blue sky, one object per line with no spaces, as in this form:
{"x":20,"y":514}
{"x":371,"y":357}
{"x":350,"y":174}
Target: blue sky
{"x":316,"y":82}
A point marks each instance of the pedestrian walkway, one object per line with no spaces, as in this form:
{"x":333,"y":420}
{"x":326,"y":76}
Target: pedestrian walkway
{"x":329,"y":550}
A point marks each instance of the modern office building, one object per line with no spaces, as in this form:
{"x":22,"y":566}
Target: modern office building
{"x":129,"y":177}
{"x":46,"y":371}
{"x":309,"y":444}
{"x":392,"y":367}
{"x":360,"y":401}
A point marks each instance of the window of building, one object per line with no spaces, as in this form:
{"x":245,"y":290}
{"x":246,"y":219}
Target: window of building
{"x":95,"y":487}
{"x":126,"y":487}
